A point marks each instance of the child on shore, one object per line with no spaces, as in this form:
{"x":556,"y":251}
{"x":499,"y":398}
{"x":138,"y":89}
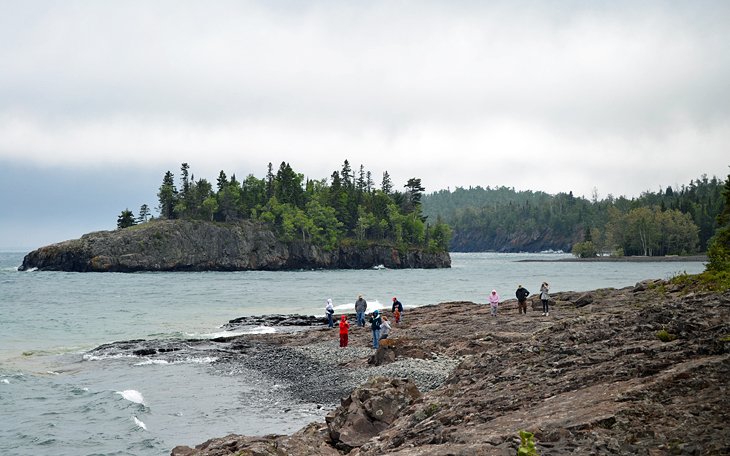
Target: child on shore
{"x":494,"y":302}
{"x":384,"y":328}
{"x":344,"y":331}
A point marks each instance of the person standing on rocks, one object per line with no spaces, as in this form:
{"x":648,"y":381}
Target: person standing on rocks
{"x":522,"y":295}
{"x":375,"y":322}
{"x":329,"y":310}
{"x":344,"y":331}
{"x":545,"y":298}
{"x":360,"y":307}
{"x":494,"y":302}
{"x":397,"y":310}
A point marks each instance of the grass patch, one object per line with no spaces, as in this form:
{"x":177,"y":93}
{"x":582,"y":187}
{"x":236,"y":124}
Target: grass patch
{"x":718,"y":281}
{"x":665,"y":336}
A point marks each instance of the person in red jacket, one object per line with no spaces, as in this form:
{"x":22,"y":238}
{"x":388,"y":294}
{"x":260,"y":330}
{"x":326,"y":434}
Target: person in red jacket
{"x":344,"y":331}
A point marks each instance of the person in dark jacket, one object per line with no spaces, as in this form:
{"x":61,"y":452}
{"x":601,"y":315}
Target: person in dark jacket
{"x":397,"y":310}
{"x":522,"y":295}
{"x":375,"y":322}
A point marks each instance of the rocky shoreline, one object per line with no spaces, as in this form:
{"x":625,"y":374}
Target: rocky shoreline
{"x":194,"y":245}
{"x":641,"y":370}
{"x":624,"y":259}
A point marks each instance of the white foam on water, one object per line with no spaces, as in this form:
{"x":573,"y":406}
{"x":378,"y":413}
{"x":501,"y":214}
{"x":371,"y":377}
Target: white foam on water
{"x":151,"y":361}
{"x":189,"y":360}
{"x":203,"y":360}
{"x":89,"y":357}
{"x":132,"y":396}
{"x":350,"y":307}
{"x":6,"y":381}
{"x":139,"y":422}
{"x":261,"y":329}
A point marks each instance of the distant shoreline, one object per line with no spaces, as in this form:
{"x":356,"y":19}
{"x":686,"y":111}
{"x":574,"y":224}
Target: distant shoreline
{"x":625,"y":259}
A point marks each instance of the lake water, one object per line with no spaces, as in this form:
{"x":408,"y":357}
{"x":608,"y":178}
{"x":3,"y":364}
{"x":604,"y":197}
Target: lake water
{"x":58,"y":399}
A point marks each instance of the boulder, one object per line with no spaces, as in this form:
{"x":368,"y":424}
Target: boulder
{"x":383,"y":355}
{"x":583,"y":300}
{"x":369,"y":410}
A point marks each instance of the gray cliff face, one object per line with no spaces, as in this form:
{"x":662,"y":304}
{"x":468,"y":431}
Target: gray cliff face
{"x":183,"y":245}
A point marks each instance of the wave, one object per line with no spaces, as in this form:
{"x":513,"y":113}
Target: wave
{"x":5,"y":380}
{"x":90,"y":357}
{"x":139,"y":422}
{"x":261,"y":329}
{"x":350,"y":307}
{"x":189,"y":360}
{"x":132,"y":396}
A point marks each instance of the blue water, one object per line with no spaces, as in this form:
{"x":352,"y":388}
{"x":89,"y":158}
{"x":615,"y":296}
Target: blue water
{"x":56,"y":399}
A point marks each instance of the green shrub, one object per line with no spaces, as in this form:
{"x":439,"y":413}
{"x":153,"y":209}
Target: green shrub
{"x":665,"y":336}
{"x":584,"y":250}
{"x":527,"y":444}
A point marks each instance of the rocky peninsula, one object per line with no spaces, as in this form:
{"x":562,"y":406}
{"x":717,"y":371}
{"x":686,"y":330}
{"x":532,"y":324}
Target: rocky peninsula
{"x":635,"y":371}
{"x":190,"y":245}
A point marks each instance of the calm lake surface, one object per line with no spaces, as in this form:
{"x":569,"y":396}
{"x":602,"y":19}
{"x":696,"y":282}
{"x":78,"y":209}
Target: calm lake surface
{"x":57,"y":399}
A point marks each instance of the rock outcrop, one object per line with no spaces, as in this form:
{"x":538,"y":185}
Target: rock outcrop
{"x":185,"y":245}
{"x":369,"y":410}
{"x":638,"y":371}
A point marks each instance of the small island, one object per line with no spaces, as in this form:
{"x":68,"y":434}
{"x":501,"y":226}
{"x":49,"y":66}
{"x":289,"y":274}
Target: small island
{"x":280,"y":222}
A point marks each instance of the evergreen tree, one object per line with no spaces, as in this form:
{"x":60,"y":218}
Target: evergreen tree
{"x":167,"y":196}
{"x":184,"y":177}
{"x":346,"y":175}
{"x":144,"y":214}
{"x":222,"y":180}
{"x":387,"y":185}
{"x":126,"y":219}
{"x":269,"y":181}
{"x":718,"y":251}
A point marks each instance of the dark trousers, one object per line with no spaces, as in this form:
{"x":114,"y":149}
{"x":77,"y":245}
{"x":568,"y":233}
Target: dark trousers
{"x":545,"y":307}
{"x":522,"y":307}
{"x":343,"y":340}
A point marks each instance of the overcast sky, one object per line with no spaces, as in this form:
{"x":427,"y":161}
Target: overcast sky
{"x":99,"y":98}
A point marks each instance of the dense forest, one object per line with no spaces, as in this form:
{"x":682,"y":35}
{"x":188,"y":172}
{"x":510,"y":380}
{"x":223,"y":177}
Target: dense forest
{"x":347,"y":207}
{"x":671,"y":221}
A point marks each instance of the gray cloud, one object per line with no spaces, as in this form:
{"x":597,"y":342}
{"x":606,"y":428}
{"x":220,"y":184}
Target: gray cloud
{"x":552,"y":96}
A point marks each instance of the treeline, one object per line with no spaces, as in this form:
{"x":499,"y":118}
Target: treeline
{"x":671,"y":221}
{"x":345,"y":207}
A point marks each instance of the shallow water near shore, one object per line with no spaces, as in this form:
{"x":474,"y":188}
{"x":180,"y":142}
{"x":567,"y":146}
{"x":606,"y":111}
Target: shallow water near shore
{"x":58,"y":398}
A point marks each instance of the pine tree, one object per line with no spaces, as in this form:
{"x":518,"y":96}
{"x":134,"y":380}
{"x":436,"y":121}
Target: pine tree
{"x":387,"y":185}
{"x":126,"y":219}
{"x":144,"y":214}
{"x":167,"y":196}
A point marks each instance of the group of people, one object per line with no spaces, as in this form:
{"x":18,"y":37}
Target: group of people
{"x":522,"y":295}
{"x":379,"y":324}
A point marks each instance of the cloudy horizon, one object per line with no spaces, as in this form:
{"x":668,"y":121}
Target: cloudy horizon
{"x":101,"y":98}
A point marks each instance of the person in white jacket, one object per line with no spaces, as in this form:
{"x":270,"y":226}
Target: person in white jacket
{"x":329,"y":310}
